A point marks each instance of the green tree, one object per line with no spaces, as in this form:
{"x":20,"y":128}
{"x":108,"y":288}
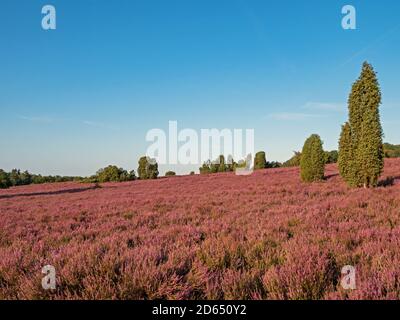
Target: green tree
{"x":370,"y":155}
{"x":148,"y":168}
{"x":363,"y":165}
{"x":260,"y":161}
{"x":346,"y":155}
{"x":312,"y":163}
{"x":293,"y":161}
{"x":331,"y":156}
{"x":4,"y":180}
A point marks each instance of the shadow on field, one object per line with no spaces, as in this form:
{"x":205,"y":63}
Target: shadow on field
{"x":330,"y":176}
{"x":389,"y":181}
{"x":48,"y":193}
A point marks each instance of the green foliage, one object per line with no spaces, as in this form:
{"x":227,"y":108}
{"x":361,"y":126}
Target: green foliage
{"x":293,"y":161}
{"x":114,"y":174}
{"x":18,"y":178}
{"x":170,"y":174}
{"x":260,"y":161}
{"x":4,"y":180}
{"x":331,"y":156}
{"x":273,"y":164}
{"x":346,"y":155}
{"x":391,"y":150}
{"x":360,"y":146}
{"x":369,"y":154}
{"x":148,"y":168}
{"x":312,"y":163}
{"x":219,"y":165}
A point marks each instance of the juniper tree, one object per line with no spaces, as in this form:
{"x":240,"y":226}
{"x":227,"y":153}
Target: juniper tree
{"x":312,"y":163}
{"x":361,"y":161}
{"x":260,"y":162}
{"x":346,"y":155}
{"x":369,"y":155}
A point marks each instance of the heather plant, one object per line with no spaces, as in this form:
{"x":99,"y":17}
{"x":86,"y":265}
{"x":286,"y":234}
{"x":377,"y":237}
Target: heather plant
{"x":250,"y":238}
{"x":312,"y":164}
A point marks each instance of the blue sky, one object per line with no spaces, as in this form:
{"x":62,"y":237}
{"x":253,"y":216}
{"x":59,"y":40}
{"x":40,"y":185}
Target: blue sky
{"x":84,"y":95}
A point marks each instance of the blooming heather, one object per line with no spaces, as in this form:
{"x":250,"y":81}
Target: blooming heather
{"x":222,"y":236}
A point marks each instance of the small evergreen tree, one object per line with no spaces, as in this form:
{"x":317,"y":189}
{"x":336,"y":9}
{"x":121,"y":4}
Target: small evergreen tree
{"x":148,"y":168}
{"x":346,"y":155}
{"x":312,"y":163}
{"x":260,"y":161}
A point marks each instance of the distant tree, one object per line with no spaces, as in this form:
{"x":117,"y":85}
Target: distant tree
{"x":205,"y":168}
{"x":312,"y":163}
{"x":331,"y":156}
{"x":192,"y":173}
{"x":114,"y":174}
{"x":14,"y":177}
{"x":391,"y":150}
{"x":148,"y":168}
{"x":170,"y":174}
{"x":273,"y":164}
{"x":260,"y":161}
{"x":4,"y":180}
{"x":293,"y":161}
{"x":221,"y":164}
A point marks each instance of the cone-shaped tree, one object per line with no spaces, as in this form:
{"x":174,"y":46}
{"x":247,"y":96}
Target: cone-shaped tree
{"x":369,"y":155}
{"x":362,"y":163}
{"x":346,"y":155}
{"x":260,"y":161}
{"x":312,"y":163}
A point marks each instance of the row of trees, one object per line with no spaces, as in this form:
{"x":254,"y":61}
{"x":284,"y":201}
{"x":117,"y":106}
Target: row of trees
{"x":20,"y":178}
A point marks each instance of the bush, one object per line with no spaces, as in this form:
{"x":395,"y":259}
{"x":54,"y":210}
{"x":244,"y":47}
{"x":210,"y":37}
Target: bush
{"x":114,"y":174}
{"x":312,"y":163}
{"x":293,"y":161}
{"x":4,"y":180}
{"x":260,"y":162}
{"x":148,"y":168}
{"x":170,"y":174}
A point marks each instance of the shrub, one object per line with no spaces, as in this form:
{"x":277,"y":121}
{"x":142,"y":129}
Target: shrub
{"x":170,"y":174}
{"x":148,"y":168}
{"x":114,"y":174}
{"x":312,"y":162}
{"x":260,"y":162}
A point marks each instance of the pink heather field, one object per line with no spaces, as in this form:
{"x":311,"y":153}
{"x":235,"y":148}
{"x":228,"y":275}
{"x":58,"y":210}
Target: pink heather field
{"x":263,"y":236}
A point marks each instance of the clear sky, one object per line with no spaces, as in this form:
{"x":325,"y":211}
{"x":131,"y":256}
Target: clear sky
{"x":83,"y":96}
